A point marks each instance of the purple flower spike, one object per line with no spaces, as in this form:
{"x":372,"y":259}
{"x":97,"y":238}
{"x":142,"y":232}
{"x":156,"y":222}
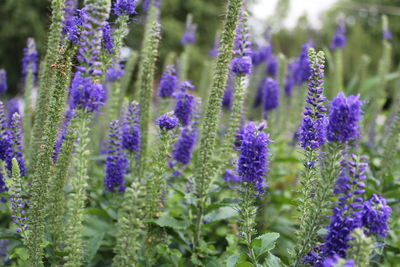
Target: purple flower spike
{"x":72,"y":26}
{"x":189,"y":37}
{"x":107,"y":38}
{"x":15,"y":151}
{"x":184,"y":147}
{"x":376,"y":215}
{"x":289,"y":79}
{"x":271,"y":94}
{"x":86,"y":94}
{"x":117,"y":161}
{"x":242,"y":63}
{"x":169,"y":82}
{"x":187,"y":86}
{"x":387,"y":34}
{"x":3,"y":81}
{"x":131,"y":128}
{"x":125,"y":7}
{"x":345,"y":114}
{"x":168,"y":121}
{"x":30,"y":59}
{"x":339,"y":39}
{"x":335,"y":260}
{"x":253,"y":158}
{"x":272,"y":66}
{"x":261,"y":54}
{"x":114,"y":73}
{"x":13,"y":106}
{"x":184,"y":108}
{"x":313,"y":128}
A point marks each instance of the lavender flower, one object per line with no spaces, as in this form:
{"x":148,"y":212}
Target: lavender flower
{"x":13,"y":106}
{"x":5,"y":140}
{"x":30,"y":60}
{"x":344,"y":117}
{"x":185,"y":145}
{"x":169,"y":82}
{"x":189,"y":37}
{"x":3,"y":187}
{"x":242,"y":62}
{"x":125,"y":7}
{"x":73,"y":24}
{"x":70,"y":9}
{"x":302,"y":69}
{"x":227,"y":99}
{"x":231,"y":177}
{"x":253,"y":158}
{"x":15,"y":151}
{"x":312,"y":130}
{"x":272,"y":66}
{"x":376,"y":215}
{"x":289,"y":79}
{"x":131,"y":128}
{"x":242,"y":65}
{"x":3,"y":81}
{"x":187,"y":85}
{"x":108,"y":40}
{"x":94,"y":19}
{"x":347,"y":213}
{"x":271,"y":94}
{"x":261,"y":54}
{"x":339,"y":39}
{"x":184,"y":108}
{"x":336,"y":261}
{"x":387,"y":34}
{"x":18,"y":206}
{"x":86,"y":94}
{"x":114,"y":73}
{"x":62,"y":135}
{"x":168,"y":121}
{"x":117,"y":160}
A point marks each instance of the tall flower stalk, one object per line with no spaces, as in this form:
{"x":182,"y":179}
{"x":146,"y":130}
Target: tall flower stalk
{"x":241,"y":69}
{"x":210,"y":123}
{"x":47,"y":74}
{"x":312,"y":138}
{"x":41,"y":167}
{"x":337,"y":45}
{"x":146,"y":75}
{"x":87,"y":95}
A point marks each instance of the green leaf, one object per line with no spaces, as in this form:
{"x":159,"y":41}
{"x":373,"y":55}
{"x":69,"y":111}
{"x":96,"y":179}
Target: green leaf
{"x":221,"y":214}
{"x":167,"y":221}
{"x":272,"y":261}
{"x":264,"y":243}
{"x":232,"y":260}
{"x":245,"y":264}
{"x":20,"y":253}
{"x":93,"y":245}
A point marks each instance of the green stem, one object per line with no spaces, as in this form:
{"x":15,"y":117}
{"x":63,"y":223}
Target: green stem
{"x":213,"y":109}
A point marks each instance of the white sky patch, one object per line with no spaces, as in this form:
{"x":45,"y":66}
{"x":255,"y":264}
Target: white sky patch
{"x":313,"y":8}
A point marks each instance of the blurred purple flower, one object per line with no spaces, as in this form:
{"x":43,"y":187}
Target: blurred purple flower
{"x":184,"y":146}
{"x":168,"y":121}
{"x":3,"y":81}
{"x":131,"y":128}
{"x":339,"y":39}
{"x":169,"y":82}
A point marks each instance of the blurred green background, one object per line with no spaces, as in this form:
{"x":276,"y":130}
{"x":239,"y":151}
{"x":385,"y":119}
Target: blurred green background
{"x":30,"y":18}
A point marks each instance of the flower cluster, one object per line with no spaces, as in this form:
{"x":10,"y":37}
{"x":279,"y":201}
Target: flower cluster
{"x":271,"y":95}
{"x":344,"y":116}
{"x":184,"y":106}
{"x":169,"y":82}
{"x":73,"y":24}
{"x":184,"y":146}
{"x":125,"y":7}
{"x":376,"y":214}
{"x":312,"y":131}
{"x":117,"y":161}
{"x":261,"y":54}
{"x":131,"y":128}
{"x":272,"y":66}
{"x":242,"y":62}
{"x":108,"y":41}
{"x":253,"y":158}
{"x":189,"y":37}
{"x":86,"y":94}
{"x":30,"y":60}
{"x":168,"y":121}
{"x":339,"y":39}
